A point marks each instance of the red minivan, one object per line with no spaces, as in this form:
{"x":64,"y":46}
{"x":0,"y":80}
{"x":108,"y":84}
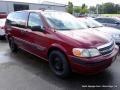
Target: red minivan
{"x":61,"y":39}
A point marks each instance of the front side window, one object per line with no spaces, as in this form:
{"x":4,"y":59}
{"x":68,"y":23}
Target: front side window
{"x":63,"y":21}
{"x":34,"y":20}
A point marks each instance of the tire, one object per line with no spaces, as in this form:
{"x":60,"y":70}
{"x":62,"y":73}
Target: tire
{"x":2,"y":37}
{"x":12,"y":45}
{"x":58,"y":64}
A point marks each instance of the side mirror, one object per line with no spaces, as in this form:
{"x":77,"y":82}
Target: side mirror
{"x":37,"y":28}
{"x":117,"y":23}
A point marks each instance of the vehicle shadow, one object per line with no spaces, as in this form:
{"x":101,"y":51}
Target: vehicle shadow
{"x":3,"y":40}
{"x":119,"y":51}
{"x":74,"y":82}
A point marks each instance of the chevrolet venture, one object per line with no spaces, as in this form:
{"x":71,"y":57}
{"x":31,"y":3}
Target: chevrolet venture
{"x":61,"y":39}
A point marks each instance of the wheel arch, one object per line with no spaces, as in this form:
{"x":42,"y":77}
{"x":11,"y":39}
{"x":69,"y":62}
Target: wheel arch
{"x":59,"y":48}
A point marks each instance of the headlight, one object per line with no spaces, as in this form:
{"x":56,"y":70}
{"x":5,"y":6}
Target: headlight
{"x":86,"y":52}
{"x":116,"y":36}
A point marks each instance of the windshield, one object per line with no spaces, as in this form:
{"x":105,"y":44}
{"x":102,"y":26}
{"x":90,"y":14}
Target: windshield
{"x":63,"y":21}
{"x":91,"y":23}
{"x":2,"y":22}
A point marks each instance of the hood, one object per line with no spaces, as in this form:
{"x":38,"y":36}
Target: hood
{"x":108,"y":30}
{"x":86,"y":37}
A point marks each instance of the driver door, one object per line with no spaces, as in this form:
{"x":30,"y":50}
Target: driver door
{"x":36,"y":40}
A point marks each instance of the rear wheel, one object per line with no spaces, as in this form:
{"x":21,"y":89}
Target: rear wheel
{"x":2,"y":37}
{"x":58,"y":64}
{"x":12,"y":45}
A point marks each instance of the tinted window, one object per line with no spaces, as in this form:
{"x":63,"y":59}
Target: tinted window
{"x":34,"y":20}
{"x":17,"y":19}
{"x":111,"y":21}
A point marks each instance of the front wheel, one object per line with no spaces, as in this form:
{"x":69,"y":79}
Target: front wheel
{"x":59,"y":64}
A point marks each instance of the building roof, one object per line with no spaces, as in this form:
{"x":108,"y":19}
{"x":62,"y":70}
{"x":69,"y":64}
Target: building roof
{"x":52,"y":3}
{"x":42,"y":3}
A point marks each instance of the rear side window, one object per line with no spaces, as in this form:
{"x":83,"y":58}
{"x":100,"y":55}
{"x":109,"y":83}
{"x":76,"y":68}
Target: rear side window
{"x":17,"y":19}
{"x":34,"y":20}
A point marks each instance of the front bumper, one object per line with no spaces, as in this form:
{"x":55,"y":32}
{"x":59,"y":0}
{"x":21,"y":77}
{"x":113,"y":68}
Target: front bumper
{"x":93,"y":65}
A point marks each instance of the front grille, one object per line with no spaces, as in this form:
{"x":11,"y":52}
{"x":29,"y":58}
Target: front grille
{"x":107,"y":48}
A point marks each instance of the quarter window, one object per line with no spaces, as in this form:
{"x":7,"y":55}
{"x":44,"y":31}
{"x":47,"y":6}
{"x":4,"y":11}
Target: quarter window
{"x":17,"y":19}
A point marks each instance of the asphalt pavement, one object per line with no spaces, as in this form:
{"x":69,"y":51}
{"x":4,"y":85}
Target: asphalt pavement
{"x":23,"y":71}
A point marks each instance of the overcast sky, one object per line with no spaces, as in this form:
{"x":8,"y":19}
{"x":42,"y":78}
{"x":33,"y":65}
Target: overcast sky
{"x":75,"y":2}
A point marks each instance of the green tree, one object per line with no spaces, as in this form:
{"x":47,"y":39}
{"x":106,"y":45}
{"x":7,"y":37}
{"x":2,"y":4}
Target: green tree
{"x":77,"y":9}
{"x":106,"y":8}
{"x":117,"y":8}
{"x":84,"y":9}
{"x":100,"y":9}
{"x":70,"y":8}
{"x":92,"y":9}
{"x":109,"y":8}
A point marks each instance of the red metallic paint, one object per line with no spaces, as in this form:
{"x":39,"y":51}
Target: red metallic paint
{"x":39,"y":43}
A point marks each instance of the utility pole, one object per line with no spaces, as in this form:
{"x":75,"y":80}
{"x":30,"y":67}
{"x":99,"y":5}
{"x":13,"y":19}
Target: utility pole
{"x":97,"y":7}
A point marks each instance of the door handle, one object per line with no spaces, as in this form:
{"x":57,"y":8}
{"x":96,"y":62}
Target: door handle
{"x":23,"y":31}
